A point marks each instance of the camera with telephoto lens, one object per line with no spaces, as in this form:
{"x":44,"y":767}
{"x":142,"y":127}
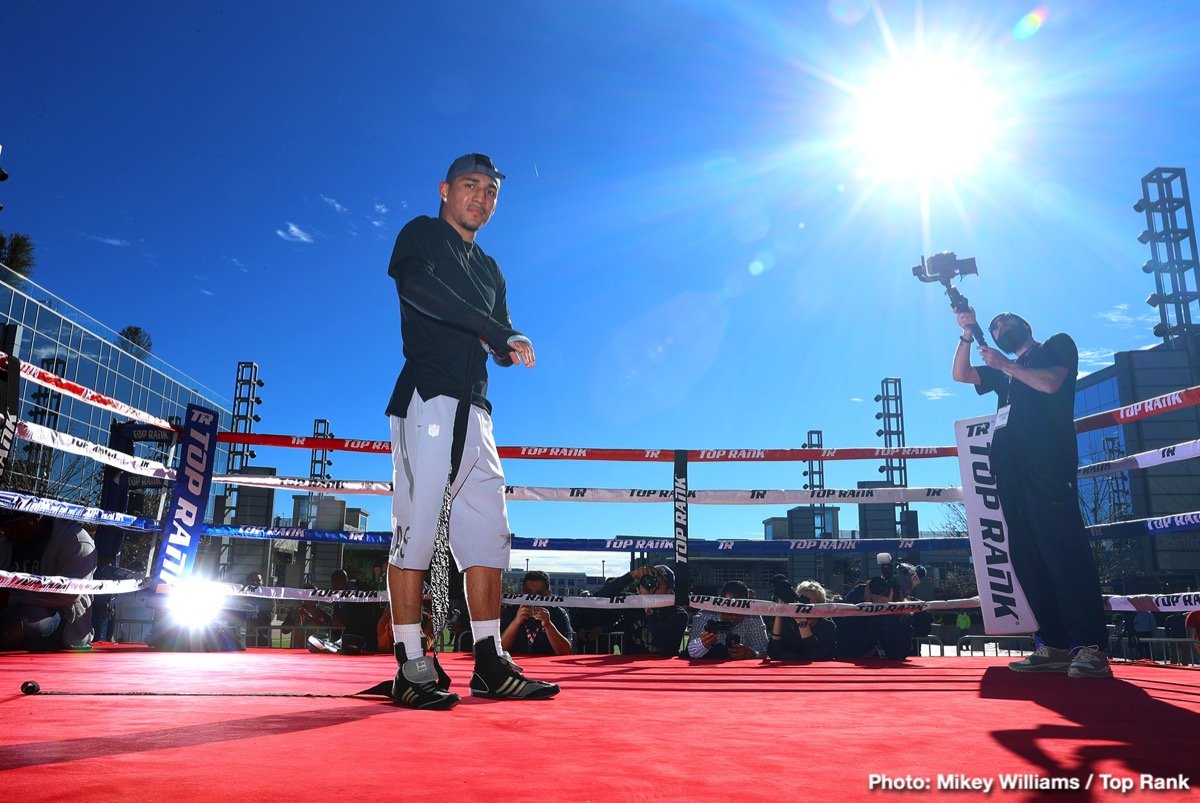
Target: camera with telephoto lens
{"x":784,"y":592}
{"x":717,"y":626}
{"x":648,"y":582}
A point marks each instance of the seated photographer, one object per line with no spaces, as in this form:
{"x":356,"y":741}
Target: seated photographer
{"x":48,"y":547}
{"x":728,"y":635}
{"x":800,"y":638}
{"x":306,"y":614}
{"x":876,"y":636}
{"x":534,"y":630}
{"x":648,"y":631}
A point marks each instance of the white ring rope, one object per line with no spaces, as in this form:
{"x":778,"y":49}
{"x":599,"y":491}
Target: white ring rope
{"x":1157,"y":603}
{"x":711,"y":497}
{"x":36,"y":433}
{"x":77,"y":391}
{"x":1186,"y":450}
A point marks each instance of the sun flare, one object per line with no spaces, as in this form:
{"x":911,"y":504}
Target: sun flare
{"x":924,"y":119}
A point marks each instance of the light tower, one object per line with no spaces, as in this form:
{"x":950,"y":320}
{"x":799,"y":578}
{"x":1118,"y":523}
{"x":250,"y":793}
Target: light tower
{"x":1172,"y":240}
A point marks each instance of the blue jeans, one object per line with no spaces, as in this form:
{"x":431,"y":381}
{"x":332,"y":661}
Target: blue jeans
{"x":30,"y":627}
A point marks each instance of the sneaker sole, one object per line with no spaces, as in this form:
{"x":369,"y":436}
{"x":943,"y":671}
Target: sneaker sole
{"x":1045,"y":669}
{"x":537,"y":693}
{"x":445,"y":704}
{"x":1090,"y":673}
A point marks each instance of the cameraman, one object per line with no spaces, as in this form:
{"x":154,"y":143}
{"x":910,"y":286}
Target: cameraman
{"x":878,"y":635}
{"x":648,"y":631}
{"x":728,"y":635}
{"x":532,"y":629}
{"x":801,"y":638}
{"x":1035,"y":460}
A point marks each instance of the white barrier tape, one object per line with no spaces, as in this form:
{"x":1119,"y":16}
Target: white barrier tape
{"x":1188,"y":450}
{"x":69,"y":388}
{"x":739,"y":497}
{"x":526,"y":493}
{"x":618,"y":601}
{"x":69,"y":585}
{"x":1162,"y":603}
{"x":820,"y":610}
{"x":279,"y":592}
{"x":1158,"y":603}
{"x":102,"y":454}
{"x":366,"y":487}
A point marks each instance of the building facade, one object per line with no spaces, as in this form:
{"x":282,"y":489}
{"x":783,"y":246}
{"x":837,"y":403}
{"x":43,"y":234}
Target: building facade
{"x":57,"y":337}
{"x":1149,"y":564}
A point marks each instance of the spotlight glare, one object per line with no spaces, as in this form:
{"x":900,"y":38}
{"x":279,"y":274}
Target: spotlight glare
{"x":195,"y":602}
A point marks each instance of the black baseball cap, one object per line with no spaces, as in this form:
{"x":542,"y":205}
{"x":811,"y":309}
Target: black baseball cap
{"x":667,"y":574}
{"x":474,"y":163}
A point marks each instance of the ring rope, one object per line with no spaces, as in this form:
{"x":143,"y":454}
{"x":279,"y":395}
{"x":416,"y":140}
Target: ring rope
{"x":1187,"y":450}
{"x":68,"y":388}
{"x":526,"y":493}
{"x":1160,"y":603}
{"x":27,"y":503}
{"x":36,"y":433}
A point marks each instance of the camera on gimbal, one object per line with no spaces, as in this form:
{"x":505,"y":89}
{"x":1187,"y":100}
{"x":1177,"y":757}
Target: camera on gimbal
{"x":943,"y":267}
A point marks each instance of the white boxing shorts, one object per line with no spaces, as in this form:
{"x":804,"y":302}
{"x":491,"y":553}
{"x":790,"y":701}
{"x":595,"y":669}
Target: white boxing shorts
{"x":479,"y":533}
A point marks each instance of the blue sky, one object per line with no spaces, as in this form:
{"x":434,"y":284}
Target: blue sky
{"x":696,"y":231}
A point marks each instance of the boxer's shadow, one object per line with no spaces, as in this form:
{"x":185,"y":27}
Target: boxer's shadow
{"x":1110,"y":720}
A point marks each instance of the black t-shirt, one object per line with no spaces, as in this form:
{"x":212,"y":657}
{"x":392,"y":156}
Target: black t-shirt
{"x":1040,"y":433}
{"x":442,"y":350}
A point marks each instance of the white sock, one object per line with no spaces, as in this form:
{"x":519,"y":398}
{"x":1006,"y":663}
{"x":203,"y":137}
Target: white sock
{"x":410,"y":637}
{"x":489,"y":627}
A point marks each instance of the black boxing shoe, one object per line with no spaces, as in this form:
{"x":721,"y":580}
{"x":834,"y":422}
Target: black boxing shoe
{"x":498,"y":678}
{"x":422,"y":683}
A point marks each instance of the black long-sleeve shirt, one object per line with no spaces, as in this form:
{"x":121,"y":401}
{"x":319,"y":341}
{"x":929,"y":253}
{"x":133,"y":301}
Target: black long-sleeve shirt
{"x":791,"y":646}
{"x":452,"y":295}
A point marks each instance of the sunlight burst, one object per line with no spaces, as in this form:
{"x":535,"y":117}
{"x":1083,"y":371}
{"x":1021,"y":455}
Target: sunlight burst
{"x":928,"y":118}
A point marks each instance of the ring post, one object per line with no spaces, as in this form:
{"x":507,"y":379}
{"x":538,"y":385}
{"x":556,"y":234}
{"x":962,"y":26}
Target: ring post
{"x":682,"y":575}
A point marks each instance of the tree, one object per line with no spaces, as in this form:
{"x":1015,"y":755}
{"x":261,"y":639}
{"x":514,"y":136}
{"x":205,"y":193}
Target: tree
{"x":954,"y":523}
{"x":138,"y":338}
{"x":16,"y":251}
